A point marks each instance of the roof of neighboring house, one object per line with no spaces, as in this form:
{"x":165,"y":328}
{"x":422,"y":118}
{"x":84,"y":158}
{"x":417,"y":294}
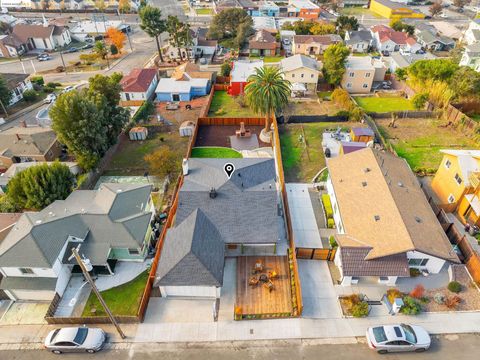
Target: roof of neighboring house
{"x":391,"y":4}
{"x":359,"y":63}
{"x":13,"y":79}
{"x":473,"y":48}
{"x":362,"y":131}
{"x":114,"y":216}
{"x":26,"y":141}
{"x":16,"y":168}
{"x":447,"y":29}
{"x":351,"y":146}
{"x":359,"y":36}
{"x":11,"y":40}
{"x":262,"y":40}
{"x":28,"y":31}
{"x":193,"y":253}
{"x":428,"y":37}
{"x":138,"y":80}
{"x":354,"y":263}
{"x":207,"y":43}
{"x":299,"y":61}
{"x":28,"y":283}
{"x":383,"y":207}
{"x":242,"y":69}
{"x":404,"y":60}
{"x":264,"y":22}
{"x":7,"y":220}
{"x":320,"y":39}
{"x":189,"y":71}
{"x":303,"y":4}
{"x":397,"y":37}
{"x":169,"y":85}
{"x":468,"y":162}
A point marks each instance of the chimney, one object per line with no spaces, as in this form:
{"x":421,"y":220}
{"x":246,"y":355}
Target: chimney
{"x":185,"y":167}
{"x":213,"y":193}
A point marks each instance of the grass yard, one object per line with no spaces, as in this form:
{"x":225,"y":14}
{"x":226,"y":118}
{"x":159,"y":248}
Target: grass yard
{"x":384,"y":104}
{"x":297,"y":164}
{"x":224,"y":105}
{"x":358,"y":11}
{"x":267,"y":59}
{"x":204,"y":11}
{"x":122,"y":300}
{"x":324,"y":107}
{"x":128,"y":160}
{"x":475,"y":117}
{"x":215,"y":152}
{"x":419,"y":141}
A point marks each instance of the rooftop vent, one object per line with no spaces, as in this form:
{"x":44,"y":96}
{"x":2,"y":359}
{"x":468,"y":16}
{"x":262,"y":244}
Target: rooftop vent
{"x":418,"y":220}
{"x":366,"y":170}
{"x":377,"y":217}
{"x":213,"y":193}
{"x":364,"y":183}
{"x":400,"y":184}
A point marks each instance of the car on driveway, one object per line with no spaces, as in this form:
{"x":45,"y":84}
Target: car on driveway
{"x":398,"y":338}
{"x":50,"y":98}
{"x":75,"y":339}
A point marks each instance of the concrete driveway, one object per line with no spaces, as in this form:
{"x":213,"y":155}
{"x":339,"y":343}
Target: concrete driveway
{"x":319,"y":296}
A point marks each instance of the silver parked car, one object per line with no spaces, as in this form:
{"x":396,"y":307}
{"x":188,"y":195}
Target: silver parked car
{"x":398,"y":338}
{"x":77,"y":339}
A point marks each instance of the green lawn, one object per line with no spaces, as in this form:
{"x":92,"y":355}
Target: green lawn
{"x":122,"y":300}
{"x":128,"y":160}
{"x":475,"y":117}
{"x":297,"y":164}
{"x":224,"y":105}
{"x":267,"y":59}
{"x":419,"y":141}
{"x":215,"y":152}
{"x":204,"y":11}
{"x":383,"y":104}
{"x":324,"y":95}
{"x":358,"y":11}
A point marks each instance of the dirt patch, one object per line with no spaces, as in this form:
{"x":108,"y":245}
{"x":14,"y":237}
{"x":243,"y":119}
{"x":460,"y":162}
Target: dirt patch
{"x":182,"y":114}
{"x":314,"y":107}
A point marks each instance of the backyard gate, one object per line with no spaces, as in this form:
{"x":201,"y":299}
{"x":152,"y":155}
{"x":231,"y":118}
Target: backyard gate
{"x":315,"y":254}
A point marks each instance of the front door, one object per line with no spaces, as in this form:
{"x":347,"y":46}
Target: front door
{"x":175,"y":97}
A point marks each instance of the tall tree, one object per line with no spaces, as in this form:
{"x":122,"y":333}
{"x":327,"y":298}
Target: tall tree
{"x":334,"y":60}
{"x":177,"y":33}
{"x":100,"y":49}
{"x":40,"y":185}
{"x":346,"y":23}
{"x":436,"y":8}
{"x":124,"y":6}
{"x":5,"y":93}
{"x":322,"y":29}
{"x":399,"y":25}
{"x":465,"y":82}
{"x":153,"y":24}
{"x":267,"y":91}
{"x":234,"y":24}
{"x":100,"y":5}
{"x":115,"y":37}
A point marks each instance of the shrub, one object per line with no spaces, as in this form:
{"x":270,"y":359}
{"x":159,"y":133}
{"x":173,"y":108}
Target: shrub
{"x":351,"y":300}
{"x":360,"y":309}
{"x":419,"y":100}
{"x":392,"y":294}
{"x":414,"y":272}
{"x":48,"y":90}
{"x":241,"y":100}
{"x":143,"y":112}
{"x":357,"y":114}
{"x":330,"y":224}
{"x":29,"y":95}
{"x":341,"y":98}
{"x":225,"y":69}
{"x":327,"y":205}
{"x":333,"y":242}
{"x":454,"y":286}
{"x":37,"y":80}
{"x":417,"y":292}
{"x":51,"y":85}
{"x":439,"y":298}
{"x":453,"y":301}
{"x":113,"y":49}
{"x":410,"y":306}
{"x":343,"y":113}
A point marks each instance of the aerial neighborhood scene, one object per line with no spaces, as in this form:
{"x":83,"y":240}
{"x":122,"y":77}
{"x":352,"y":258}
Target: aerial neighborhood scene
{"x":244,"y":179}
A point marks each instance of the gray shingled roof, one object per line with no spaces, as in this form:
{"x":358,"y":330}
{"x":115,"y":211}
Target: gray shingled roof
{"x":28,"y":283}
{"x":358,"y":36}
{"x":193,"y":254}
{"x":38,"y":238}
{"x":298,"y":61}
{"x":354,"y":263}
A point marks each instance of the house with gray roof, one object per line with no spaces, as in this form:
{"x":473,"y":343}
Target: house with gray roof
{"x":359,"y":41}
{"x":218,"y":216}
{"x":301,"y":70}
{"x":107,"y":225}
{"x":434,"y":41}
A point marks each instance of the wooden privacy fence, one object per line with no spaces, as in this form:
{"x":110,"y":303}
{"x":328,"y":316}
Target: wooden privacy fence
{"x":206,"y":107}
{"x":219,"y":121}
{"x":220,"y":87}
{"x":316,"y":254}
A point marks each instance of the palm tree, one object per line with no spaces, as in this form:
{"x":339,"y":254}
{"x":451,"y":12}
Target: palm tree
{"x":153,"y":24}
{"x":267,"y":91}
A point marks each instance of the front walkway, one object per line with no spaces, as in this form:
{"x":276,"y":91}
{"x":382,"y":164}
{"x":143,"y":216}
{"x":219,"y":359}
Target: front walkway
{"x":124,"y":271}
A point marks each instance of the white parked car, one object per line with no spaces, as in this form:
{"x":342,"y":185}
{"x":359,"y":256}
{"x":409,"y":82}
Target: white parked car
{"x":67,"y":89}
{"x":75,"y":339}
{"x":50,"y":98}
{"x":398,"y":338}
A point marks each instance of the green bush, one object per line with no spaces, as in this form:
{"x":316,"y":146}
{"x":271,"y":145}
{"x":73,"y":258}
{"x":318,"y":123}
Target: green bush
{"x":360,"y":309}
{"x":143,"y":112}
{"x":343,"y":113}
{"x":419,"y":100}
{"x":225,"y":69}
{"x":113,"y":49}
{"x":330,"y":223}
{"x":37,"y":80}
{"x":29,"y":95}
{"x":454,"y":286}
{"x":332,"y":241}
{"x":327,"y":205}
{"x":51,"y":85}
{"x":410,"y":306}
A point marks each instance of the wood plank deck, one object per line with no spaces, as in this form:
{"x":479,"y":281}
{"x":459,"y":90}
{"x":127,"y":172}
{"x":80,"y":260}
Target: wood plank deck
{"x":258,"y":299}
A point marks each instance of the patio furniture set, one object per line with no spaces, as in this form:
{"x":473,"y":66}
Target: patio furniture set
{"x":260,"y":275}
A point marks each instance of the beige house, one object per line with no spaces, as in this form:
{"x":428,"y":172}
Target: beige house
{"x":313,"y":44}
{"x":302,"y":71}
{"x":361,"y":73}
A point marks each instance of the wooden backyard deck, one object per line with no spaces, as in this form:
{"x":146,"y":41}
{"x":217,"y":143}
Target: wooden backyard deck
{"x":258,"y":299}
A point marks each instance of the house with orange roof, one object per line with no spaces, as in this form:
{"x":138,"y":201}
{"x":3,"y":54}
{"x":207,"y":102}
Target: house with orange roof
{"x":138,"y":86}
{"x":387,"y":39}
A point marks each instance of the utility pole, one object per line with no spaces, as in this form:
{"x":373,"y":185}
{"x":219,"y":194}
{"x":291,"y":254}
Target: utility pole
{"x":4,"y":108}
{"x":63,"y":62}
{"x":82,"y":265}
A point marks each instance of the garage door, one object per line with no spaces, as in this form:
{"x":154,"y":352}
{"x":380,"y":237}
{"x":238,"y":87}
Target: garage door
{"x":189,"y":291}
{"x":37,"y":295}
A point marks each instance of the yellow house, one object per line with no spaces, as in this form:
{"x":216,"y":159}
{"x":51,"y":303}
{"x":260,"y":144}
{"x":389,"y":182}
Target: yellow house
{"x":394,"y":10}
{"x":457,"y":184}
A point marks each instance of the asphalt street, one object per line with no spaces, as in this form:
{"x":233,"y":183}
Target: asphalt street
{"x":457,"y":347}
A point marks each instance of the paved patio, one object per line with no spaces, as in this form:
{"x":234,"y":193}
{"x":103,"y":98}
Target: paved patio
{"x":125,"y":271}
{"x":304,"y":224}
{"x":25,"y":313}
{"x":328,"y":141}
{"x":229,"y":288}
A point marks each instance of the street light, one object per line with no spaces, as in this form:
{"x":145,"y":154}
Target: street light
{"x":86,"y":267}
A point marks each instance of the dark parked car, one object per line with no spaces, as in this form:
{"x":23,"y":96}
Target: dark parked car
{"x":71,"y":50}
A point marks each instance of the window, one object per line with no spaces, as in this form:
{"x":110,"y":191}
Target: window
{"x":367,"y":74}
{"x":451,"y":199}
{"x":352,"y":74}
{"x":81,"y":336}
{"x":311,"y":76}
{"x":349,"y":85}
{"x":302,"y":75}
{"x":293,"y":75}
{"x":448,"y":164}
{"x":26,"y":271}
{"x":133,"y":252}
{"x":458,"y":179}
{"x":365,"y":86}
{"x":417,"y":262}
